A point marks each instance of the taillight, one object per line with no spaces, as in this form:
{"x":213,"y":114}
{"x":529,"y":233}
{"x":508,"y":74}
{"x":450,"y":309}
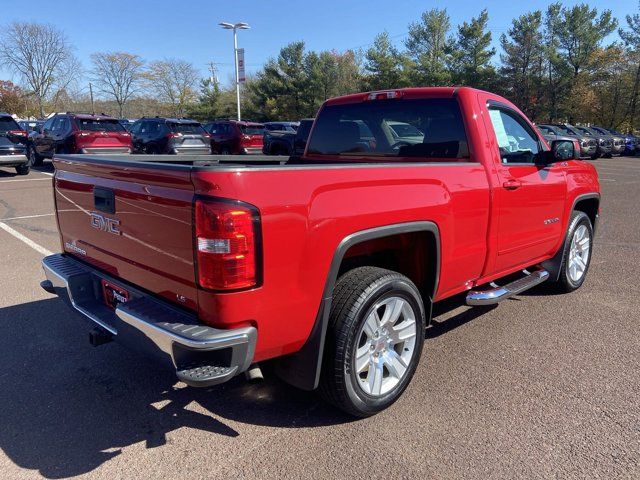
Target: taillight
{"x":174,"y":135}
{"x":18,"y":133}
{"x":228,"y":242}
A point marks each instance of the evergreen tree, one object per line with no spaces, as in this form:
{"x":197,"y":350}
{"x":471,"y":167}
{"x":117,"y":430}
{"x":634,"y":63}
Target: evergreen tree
{"x":472,"y":53}
{"x":429,"y":48}
{"x":522,"y":62}
{"x":385,"y":67}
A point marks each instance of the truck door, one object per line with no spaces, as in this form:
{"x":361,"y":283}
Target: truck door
{"x":530,"y":197}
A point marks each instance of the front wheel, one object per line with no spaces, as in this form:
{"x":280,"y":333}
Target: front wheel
{"x":374,"y":340}
{"x":577,"y":253}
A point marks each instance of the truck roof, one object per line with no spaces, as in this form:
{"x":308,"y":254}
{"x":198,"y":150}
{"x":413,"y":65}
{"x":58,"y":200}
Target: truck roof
{"x":410,"y":92}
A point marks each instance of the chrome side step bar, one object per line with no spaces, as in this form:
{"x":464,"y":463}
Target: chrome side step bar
{"x":498,"y":293}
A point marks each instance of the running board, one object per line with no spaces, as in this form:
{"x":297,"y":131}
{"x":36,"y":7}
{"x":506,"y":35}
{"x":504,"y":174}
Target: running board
{"x":498,"y":293}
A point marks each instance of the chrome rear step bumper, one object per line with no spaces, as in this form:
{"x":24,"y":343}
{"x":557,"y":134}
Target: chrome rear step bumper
{"x":499,"y":293}
{"x":201,"y":355}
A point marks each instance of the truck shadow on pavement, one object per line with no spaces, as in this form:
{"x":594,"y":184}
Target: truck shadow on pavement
{"x":68,"y":407}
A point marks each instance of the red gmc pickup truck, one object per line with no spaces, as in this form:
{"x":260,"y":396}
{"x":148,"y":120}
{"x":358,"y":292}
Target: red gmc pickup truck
{"x":326,"y":265}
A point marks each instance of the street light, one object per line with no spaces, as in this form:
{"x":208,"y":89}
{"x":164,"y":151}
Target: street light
{"x":235,"y":27}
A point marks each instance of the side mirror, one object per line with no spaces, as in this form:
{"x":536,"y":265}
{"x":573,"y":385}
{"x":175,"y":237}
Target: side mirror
{"x":562,"y":150}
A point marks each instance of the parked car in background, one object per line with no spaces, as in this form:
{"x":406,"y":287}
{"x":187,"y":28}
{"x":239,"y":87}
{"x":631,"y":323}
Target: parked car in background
{"x":631,"y":142}
{"x":279,"y":142}
{"x":281,"y":126}
{"x":588,"y":145}
{"x":30,"y":126}
{"x":160,"y":135}
{"x":78,"y":133}
{"x":126,"y":123}
{"x":605,"y":142}
{"x":230,"y":137}
{"x":405,"y":133}
{"x":617,"y":141}
{"x":13,"y":145}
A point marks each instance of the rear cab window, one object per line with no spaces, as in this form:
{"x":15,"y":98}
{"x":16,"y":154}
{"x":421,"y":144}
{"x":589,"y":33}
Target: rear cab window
{"x":415,"y":130}
{"x":99,"y":125}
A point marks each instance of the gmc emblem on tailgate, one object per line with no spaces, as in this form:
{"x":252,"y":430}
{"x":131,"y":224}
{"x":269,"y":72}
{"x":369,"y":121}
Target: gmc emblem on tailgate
{"x":105,"y":224}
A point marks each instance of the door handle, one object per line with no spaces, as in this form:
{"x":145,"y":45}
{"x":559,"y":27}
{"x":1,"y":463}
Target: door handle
{"x":512,"y":184}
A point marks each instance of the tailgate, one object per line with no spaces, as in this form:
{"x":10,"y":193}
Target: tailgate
{"x":134,"y":222}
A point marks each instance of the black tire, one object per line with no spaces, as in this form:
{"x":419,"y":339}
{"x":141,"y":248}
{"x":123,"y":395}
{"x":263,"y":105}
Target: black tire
{"x":35,"y":160}
{"x":225,"y":151}
{"x":565,"y":283}
{"x":354,"y":296}
{"x":23,"y":169}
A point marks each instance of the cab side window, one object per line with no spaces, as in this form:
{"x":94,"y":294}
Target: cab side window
{"x":516,"y":141}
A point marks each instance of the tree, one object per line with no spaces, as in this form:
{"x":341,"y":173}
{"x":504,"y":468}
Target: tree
{"x":41,"y":55}
{"x":118,"y":75}
{"x":11,"y":98}
{"x":631,"y":39}
{"x":580,"y":32}
{"x":208,"y":106}
{"x":522,"y":61}
{"x":429,"y":47}
{"x":385,"y":66}
{"x":175,"y":82}
{"x":472,"y":53}
{"x":281,"y":89}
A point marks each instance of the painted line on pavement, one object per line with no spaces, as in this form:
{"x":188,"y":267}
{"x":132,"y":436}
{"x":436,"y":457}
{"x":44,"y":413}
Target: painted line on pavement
{"x":27,"y":216}
{"x":38,"y":248}
{"x":26,"y":180}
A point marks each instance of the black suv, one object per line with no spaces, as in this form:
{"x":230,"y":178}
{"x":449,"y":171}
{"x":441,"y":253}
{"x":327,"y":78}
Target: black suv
{"x":13,"y":145}
{"x":158,"y":135}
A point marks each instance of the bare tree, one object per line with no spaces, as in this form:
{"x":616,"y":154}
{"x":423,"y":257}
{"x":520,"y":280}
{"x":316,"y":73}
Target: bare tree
{"x":118,"y":75}
{"x":41,"y":55}
{"x":174,"y":81}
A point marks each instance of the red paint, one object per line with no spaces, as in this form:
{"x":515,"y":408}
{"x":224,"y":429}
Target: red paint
{"x":487,"y":230}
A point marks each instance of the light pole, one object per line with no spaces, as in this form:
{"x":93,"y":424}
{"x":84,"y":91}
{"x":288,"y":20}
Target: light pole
{"x":235,"y":27}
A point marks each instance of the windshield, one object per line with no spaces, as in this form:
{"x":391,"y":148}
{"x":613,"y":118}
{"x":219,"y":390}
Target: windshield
{"x":431,"y":128}
{"x":188,"y":128}
{"x":94,"y":125}
{"x":8,"y":123}
{"x":252,"y":129}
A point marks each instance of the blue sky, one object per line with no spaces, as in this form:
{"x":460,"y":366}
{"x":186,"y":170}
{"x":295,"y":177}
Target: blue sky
{"x":189,"y":30}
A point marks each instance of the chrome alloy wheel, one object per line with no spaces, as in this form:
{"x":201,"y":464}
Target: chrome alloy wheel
{"x":579,"y":253}
{"x":385,"y":346}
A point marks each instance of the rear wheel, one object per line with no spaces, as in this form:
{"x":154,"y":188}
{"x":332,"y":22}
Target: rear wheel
{"x":23,"y":169}
{"x":374,"y":340}
{"x":35,"y":160}
{"x":577,"y":253}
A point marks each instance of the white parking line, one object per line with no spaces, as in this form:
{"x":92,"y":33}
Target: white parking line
{"x":26,"y":180}
{"x":45,"y":173}
{"x":27,"y":216}
{"x":38,"y":248}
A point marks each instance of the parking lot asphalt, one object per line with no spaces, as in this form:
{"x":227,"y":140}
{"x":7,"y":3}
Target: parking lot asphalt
{"x":541,"y":386}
